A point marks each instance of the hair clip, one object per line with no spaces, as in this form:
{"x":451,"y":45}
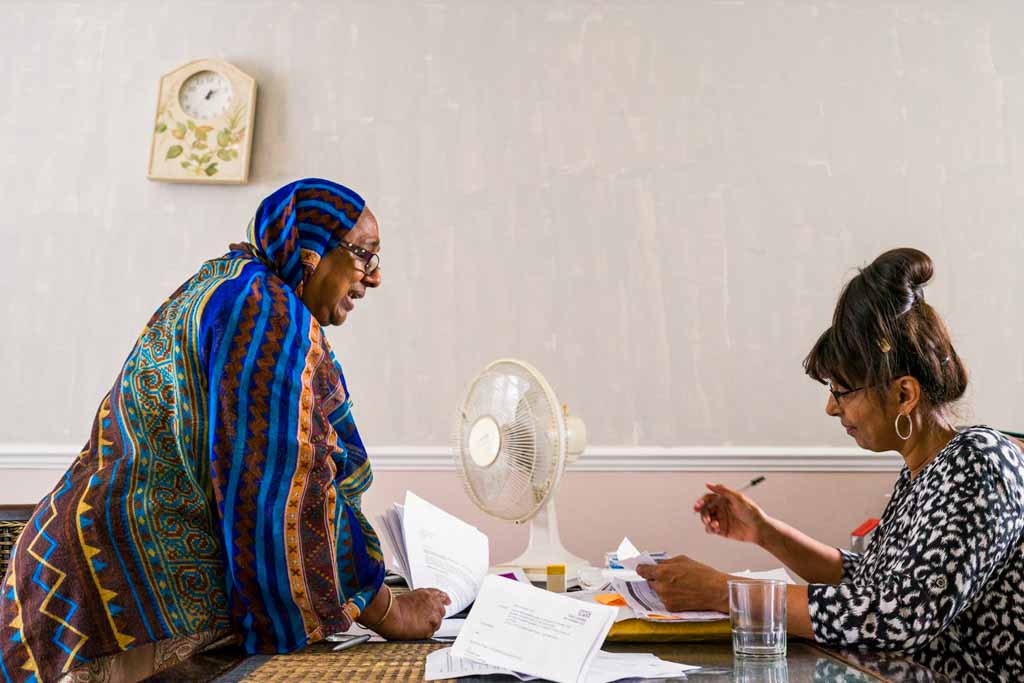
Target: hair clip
{"x":884,"y":346}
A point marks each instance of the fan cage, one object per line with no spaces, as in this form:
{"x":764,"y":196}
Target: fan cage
{"x":532,"y":457}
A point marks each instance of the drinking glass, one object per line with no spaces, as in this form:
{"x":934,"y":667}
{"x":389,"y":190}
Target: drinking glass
{"x":757,"y":610}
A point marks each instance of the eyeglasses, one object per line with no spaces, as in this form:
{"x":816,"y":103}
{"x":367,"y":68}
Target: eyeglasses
{"x":370,"y":259}
{"x":837,"y":395}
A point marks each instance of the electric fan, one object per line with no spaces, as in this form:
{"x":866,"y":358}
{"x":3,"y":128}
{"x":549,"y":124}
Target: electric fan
{"x":512,"y":442}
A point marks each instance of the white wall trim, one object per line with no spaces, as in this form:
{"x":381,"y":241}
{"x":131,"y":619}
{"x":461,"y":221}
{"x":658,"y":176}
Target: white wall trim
{"x":15,"y":456}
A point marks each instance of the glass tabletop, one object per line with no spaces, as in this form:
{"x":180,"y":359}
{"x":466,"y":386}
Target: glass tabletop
{"x":803,"y":663}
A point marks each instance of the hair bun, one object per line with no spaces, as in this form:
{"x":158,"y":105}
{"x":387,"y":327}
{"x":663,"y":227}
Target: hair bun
{"x":900,"y":274}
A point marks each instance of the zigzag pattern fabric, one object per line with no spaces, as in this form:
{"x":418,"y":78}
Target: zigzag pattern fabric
{"x":220,"y":487}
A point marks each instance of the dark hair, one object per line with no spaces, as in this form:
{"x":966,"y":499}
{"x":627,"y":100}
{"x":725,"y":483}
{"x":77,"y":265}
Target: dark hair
{"x":882,"y":329}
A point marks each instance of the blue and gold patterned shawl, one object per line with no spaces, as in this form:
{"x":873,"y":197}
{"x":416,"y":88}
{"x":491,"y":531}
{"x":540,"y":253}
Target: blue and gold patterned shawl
{"x":220,"y":487}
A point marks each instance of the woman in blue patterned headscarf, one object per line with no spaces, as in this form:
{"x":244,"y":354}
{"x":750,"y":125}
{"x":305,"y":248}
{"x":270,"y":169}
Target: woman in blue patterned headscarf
{"x":219,"y":494}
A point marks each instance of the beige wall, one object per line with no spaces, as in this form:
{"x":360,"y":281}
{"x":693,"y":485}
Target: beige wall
{"x":596,"y":509}
{"x":654,"y":202}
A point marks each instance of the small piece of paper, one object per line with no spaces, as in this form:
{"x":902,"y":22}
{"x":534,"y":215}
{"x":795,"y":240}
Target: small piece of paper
{"x":626,"y":550}
{"x":631,"y":563}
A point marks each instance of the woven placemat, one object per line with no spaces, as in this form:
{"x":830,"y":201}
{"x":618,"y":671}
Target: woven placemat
{"x":392,"y":662}
{"x":9,"y":532}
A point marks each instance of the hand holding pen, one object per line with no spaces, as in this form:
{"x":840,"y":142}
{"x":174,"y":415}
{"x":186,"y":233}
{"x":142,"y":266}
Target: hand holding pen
{"x":729,"y":513}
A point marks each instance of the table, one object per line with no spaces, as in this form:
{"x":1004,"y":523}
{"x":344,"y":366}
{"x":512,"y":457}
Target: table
{"x":805,"y":662}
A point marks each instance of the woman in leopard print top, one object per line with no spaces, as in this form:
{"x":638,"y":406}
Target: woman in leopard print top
{"x":942,"y":576}
{"x":942,"y":579}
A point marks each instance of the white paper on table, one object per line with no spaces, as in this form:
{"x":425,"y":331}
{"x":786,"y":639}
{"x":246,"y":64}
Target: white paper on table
{"x":533,"y":631}
{"x":442,"y":665}
{"x":450,"y":629}
{"x":606,"y":667}
{"x":437,"y":550}
{"x":779,"y":574}
{"x":614,"y":666}
{"x":647,"y":605}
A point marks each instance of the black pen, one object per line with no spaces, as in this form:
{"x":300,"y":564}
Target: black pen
{"x":751,"y":484}
{"x":351,"y":642}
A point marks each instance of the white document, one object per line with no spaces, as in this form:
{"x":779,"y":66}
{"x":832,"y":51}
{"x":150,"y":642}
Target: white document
{"x":450,"y":629}
{"x":615,"y":666}
{"x":521,"y":628}
{"x":437,"y":550}
{"x":442,"y":665}
{"x":779,"y":574}
{"x":647,"y":605}
{"x":606,"y":667}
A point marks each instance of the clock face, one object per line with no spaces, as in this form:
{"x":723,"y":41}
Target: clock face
{"x":205,"y":95}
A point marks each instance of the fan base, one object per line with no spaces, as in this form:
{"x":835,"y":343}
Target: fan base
{"x":535,"y":565}
{"x":545,"y":548}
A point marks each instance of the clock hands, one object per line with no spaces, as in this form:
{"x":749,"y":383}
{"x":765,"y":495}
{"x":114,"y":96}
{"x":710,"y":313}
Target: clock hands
{"x":209,"y":93}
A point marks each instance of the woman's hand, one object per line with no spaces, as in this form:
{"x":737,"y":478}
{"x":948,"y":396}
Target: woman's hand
{"x":731,"y":514}
{"x":415,"y":615}
{"x":687,"y":585}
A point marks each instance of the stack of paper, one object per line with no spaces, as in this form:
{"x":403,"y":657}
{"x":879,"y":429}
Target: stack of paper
{"x":641,"y":598}
{"x":605,"y":667}
{"x":434,"y":549}
{"x":646,"y":604}
{"x":517,"y":629}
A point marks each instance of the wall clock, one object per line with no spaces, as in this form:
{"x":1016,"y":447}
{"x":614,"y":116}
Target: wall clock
{"x":203,"y":130}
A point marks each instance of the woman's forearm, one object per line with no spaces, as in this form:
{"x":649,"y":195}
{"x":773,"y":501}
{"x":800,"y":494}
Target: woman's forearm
{"x":377,"y":608}
{"x":812,"y":560}
{"x":798,"y":614}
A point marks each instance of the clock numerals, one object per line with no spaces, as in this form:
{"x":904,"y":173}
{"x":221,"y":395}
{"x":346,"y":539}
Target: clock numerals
{"x":205,"y":95}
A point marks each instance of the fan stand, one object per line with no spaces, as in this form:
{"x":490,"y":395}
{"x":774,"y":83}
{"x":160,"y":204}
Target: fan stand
{"x":545,"y":547}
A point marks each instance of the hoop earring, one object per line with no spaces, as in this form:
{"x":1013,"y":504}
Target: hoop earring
{"x":910,"y":429}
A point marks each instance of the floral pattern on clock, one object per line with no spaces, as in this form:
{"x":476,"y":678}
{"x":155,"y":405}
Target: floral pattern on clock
{"x":204,"y":153}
